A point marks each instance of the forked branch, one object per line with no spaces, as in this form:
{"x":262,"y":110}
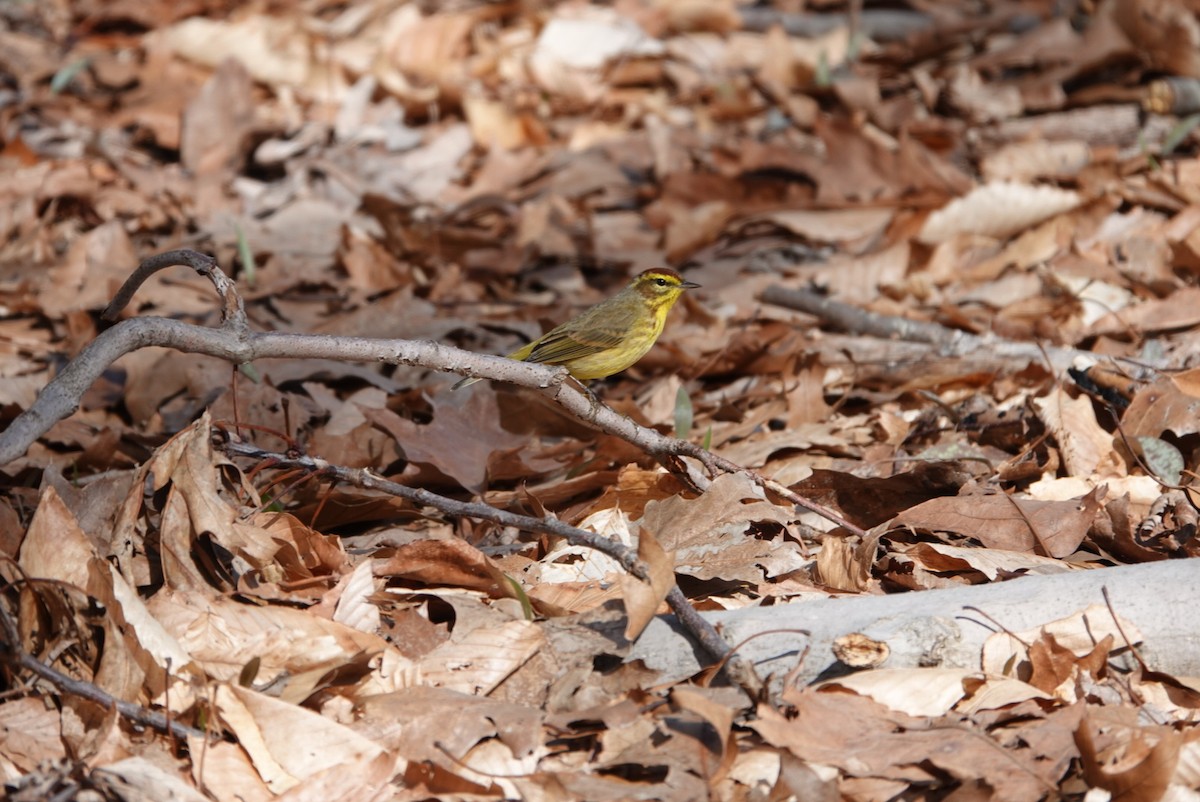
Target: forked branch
{"x":234,"y":341}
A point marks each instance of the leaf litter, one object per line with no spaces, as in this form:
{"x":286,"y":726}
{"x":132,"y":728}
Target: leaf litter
{"x":474,"y":174}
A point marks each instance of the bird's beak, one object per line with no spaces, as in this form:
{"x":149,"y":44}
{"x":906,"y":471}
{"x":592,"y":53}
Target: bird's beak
{"x":689,"y":285}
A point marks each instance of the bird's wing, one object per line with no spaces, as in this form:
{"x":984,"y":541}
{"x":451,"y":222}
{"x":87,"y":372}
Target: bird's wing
{"x":584,"y":336}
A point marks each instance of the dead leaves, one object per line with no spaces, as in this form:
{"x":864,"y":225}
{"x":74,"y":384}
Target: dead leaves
{"x":728,"y":533}
{"x":474,"y":175}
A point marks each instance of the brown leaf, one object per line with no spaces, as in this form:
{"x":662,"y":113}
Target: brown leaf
{"x":449,"y":563}
{"x":719,"y":717}
{"x":865,"y":740}
{"x":461,"y":441}
{"x":642,"y":599}
{"x":293,"y":748}
{"x":872,"y":500}
{"x":55,"y":547}
{"x":842,"y":566}
{"x":1135,"y":763}
{"x":711,"y":538}
{"x":1051,"y":528}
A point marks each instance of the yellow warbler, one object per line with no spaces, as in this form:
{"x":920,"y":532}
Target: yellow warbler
{"x":613,"y":334}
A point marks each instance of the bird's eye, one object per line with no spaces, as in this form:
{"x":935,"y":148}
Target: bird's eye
{"x":662,"y":282}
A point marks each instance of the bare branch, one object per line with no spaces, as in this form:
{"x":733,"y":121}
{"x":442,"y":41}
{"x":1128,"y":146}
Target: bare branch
{"x":235,"y":342}
{"x":205,"y":265}
{"x":87,"y":690}
{"x":738,"y":670}
{"x":61,"y":396}
{"x":948,"y":341}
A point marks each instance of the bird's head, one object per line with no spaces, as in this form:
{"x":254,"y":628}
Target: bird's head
{"x":660,"y":285}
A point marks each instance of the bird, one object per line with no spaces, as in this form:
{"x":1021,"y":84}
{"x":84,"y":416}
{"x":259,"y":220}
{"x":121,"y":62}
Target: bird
{"x":613,"y":334}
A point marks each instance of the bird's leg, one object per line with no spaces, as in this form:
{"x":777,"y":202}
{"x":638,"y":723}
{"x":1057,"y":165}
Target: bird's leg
{"x":587,"y":389}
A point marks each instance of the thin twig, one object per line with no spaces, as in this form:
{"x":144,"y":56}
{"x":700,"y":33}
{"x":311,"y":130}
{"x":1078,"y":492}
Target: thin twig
{"x":1121,"y":629}
{"x":233,"y":313}
{"x":949,"y":341}
{"x":738,"y":670}
{"x":86,"y":690}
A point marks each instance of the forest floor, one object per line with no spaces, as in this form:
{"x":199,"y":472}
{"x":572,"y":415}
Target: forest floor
{"x":947,"y":334}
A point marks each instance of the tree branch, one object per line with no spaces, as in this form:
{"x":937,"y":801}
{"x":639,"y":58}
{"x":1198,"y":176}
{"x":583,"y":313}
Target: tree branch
{"x":236,"y":342}
{"x":737,"y":669}
{"x":946,"y":340}
{"x":87,"y":690}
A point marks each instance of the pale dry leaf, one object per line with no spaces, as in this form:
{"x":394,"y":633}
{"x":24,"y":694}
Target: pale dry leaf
{"x":418,"y":723}
{"x":997,"y":693}
{"x":136,"y":779}
{"x":1120,"y":755}
{"x":1099,"y":299}
{"x":718,"y":16}
{"x":691,"y":227}
{"x":55,"y":547}
{"x":841,"y":566}
{"x":195,"y":486}
{"x":1188,"y":382}
{"x":998,"y":210}
{"x":354,"y":607}
{"x":1087,"y":449}
{"x":491,"y":761}
{"x":217,"y":122}
{"x":223,"y":635}
{"x":1187,"y":770}
{"x":493,"y":124}
{"x":1180,"y":792}
{"x":573,"y":597}
{"x":709,"y":534}
{"x":287,"y":743}
{"x":840,"y":226}
{"x":433,"y":48}
{"x":1078,"y":633}
{"x":460,"y":439}
{"x":227,"y":772}
{"x":475,"y":663}
{"x":1032,"y":248}
{"x":990,"y":562}
{"x":149,"y":634}
{"x":756,"y":768}
{"x":857,"y":279}
{"x":567,"y":563}
{"x":426,"y":172}
{"x":276,"y":51}
{"x":32,"y":735}
{"x":719,"y":716}
{"x":366,"y":780}
{"x":1027,"y":161}
{"x":642,"y":599}
{"x":659,"y":404}
{"x":1166,"y":696}
{"x":915,"y":691}
{"x":86,"y":277}
{"x":570,"y":52}
{"x":592,"y":40}
{"x":1181,"y":310}
{"x":857,"y":734}
{"x":1162,"y":406}
{"x":1165,"y":32}
{"x":982,"y":101}
{"x":814,"y":53}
